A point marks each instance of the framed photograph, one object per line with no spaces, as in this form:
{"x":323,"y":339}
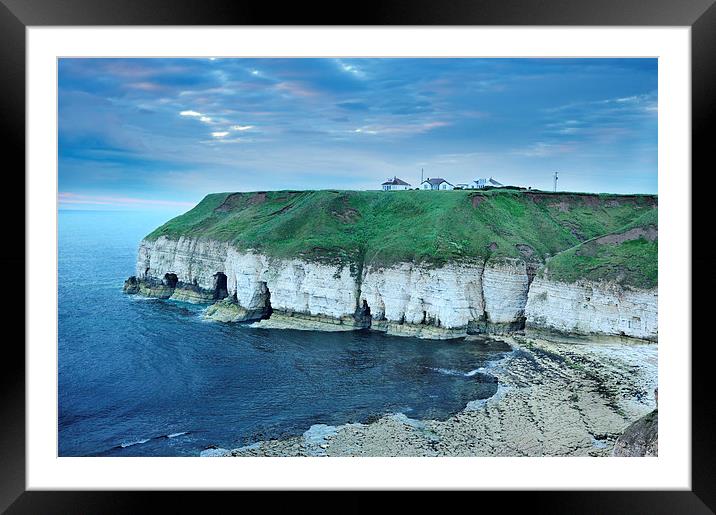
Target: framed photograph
{"x":413,"y":250}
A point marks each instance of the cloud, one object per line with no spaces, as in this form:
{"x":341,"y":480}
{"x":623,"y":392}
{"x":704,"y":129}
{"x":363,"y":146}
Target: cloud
{"x":196,"y":114}
{"x":241,"y":127}
{"x":231,"y":140}
{"x":220,"y":134}
{"x":145,"y":86}
{"x":69,"y":198}
{"x":619,"y":104}
{"x":545,"y":149}
{"x":407,"y":129}
{"x":350,"y":68}
{"x":296,"y":89}
{"x":565,"y":127}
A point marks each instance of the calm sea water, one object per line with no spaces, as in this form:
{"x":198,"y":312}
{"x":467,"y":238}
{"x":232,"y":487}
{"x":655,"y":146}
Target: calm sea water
{"x":150,"y":378}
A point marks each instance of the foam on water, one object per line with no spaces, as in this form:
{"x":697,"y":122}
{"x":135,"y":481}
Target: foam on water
{"x":318,"y":433}
{"x":451,"y":372}
{"x":135,"y":442}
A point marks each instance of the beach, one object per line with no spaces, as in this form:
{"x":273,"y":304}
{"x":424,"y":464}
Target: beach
{"x":555,"y":398}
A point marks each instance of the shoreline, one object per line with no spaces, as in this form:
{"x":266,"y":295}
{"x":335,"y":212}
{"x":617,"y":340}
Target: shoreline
{"x":553,"y":399}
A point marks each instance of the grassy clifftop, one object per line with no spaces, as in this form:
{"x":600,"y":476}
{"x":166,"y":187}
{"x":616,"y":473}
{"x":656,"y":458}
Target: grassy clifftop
{"x":628,"y":256}
{"x":381,"y":228}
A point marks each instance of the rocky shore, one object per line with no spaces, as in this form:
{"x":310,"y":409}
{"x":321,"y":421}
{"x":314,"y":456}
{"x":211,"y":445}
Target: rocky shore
{"x":555,"y":398}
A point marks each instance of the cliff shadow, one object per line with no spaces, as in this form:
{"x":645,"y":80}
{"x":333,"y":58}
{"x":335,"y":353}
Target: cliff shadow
{"x":362,"y":315}
{"x":171,"y":280}
{"x":221,"y":290}
{"x":266,"y":293}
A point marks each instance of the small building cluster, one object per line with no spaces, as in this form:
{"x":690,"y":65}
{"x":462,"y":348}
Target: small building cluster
{"x":438,"y":183}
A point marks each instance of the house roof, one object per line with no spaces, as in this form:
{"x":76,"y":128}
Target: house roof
{"x":436,"y":180}
{"x":490,"y":181}
{"x":395,"y":182}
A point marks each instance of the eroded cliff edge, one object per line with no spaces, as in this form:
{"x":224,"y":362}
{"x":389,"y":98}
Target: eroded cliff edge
{"x":466,"y":263}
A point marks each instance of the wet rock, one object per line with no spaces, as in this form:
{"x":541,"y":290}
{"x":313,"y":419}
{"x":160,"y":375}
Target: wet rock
{"x":227,"y":310}
{"x":131,"y":285}
{"x":641,"y":438}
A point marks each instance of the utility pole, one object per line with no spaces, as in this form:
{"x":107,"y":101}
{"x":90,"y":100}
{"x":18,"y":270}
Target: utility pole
{"x":554,"y":187}
{"x":421,"y":176}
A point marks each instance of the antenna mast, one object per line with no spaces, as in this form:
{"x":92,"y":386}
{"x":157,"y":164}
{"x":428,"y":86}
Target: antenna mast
{"x":554,"y":186}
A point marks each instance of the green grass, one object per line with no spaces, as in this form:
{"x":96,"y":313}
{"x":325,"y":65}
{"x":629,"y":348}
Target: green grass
{"x":381,"y":228}
{"x":633,"y":262}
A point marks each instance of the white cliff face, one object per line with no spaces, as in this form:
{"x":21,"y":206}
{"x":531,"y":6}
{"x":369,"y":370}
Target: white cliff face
{"x":504,"y":287}
{"x":592,"y":308}
{"x":192,"y":260}
{"x":449,"y":297}
{"x":405,"y":299}
{"x":294,"y":285}
{"x":456,"y":297}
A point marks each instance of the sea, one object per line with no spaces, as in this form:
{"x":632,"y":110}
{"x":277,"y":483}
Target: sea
{"x":142,"y":377}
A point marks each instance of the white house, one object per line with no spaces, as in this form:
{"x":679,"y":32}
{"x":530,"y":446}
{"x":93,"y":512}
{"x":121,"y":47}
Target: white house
{"x":395,"y":184}
{"x":481,"y":183}
{"x":436,"y":183}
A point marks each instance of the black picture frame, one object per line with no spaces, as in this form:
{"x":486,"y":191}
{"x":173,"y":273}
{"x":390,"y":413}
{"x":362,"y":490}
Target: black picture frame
{"x":700,"y":15}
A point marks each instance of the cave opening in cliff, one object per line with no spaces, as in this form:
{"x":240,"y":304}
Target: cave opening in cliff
{"x":221,"y":290}
{"x":366,"y":308}
{"x":171,"y":280}
{"x":362,"y":314}
{"x":268,"y":310}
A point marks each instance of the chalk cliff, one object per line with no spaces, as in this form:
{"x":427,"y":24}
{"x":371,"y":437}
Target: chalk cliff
{"x":406,"y":299}
{"x":431,"y":265}
{"x":588,"y":307}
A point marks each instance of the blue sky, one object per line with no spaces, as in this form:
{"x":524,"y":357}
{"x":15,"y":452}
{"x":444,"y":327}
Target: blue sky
{"x":162,"y":133}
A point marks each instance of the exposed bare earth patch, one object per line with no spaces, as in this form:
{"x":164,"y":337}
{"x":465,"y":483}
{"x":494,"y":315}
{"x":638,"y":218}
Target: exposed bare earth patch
{"x":526,"y":251}
{"x":347,"y":215}
{"x":231,"y":202}
{"x":257,"y":198}
{"x":239,"y":200}
{"x":477,"y":200}
{"x":344,"y":212}
{"x":649,"y":233}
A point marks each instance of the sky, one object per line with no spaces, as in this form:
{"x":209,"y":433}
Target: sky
{"x":162,"y":133}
